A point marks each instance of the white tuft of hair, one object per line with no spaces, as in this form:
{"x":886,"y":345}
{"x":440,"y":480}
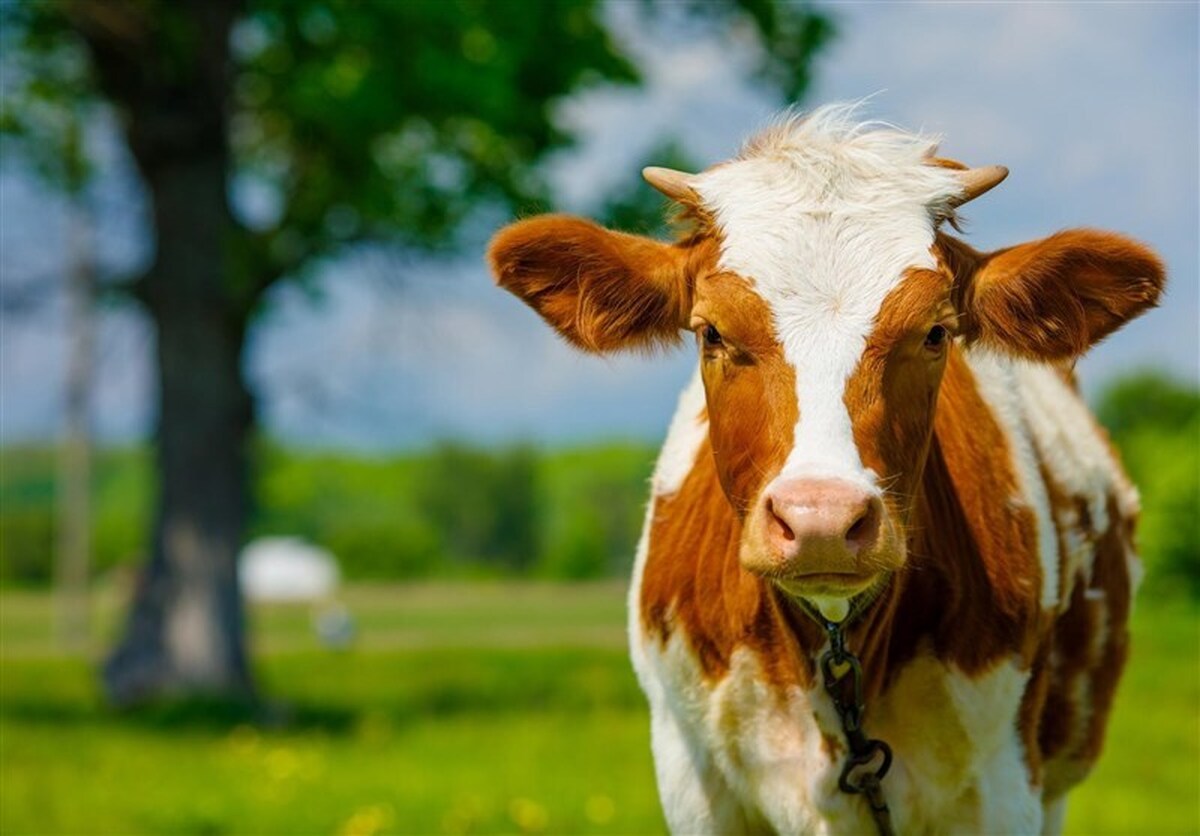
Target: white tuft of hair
{"x":851,"y":163}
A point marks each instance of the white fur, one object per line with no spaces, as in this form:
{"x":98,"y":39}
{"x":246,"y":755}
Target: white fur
{"x":1080,"y":463}
{"x":684,"y":436}
{"x":1055,"y":816}
{"x":823,"y":215}
{"x":688,"y":786}
{"x":736,"y":757}
{"x":687,"y":431}
{"x":1000,"y":378}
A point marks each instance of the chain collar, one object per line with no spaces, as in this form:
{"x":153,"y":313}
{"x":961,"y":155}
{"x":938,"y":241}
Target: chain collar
{"x":842,"y":674}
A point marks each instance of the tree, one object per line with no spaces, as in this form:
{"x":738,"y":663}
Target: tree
{"x":390,"y":122}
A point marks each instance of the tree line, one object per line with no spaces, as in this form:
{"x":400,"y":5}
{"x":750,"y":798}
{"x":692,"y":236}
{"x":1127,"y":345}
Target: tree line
{"x":463,"y":511}
{"x":454,"y":511}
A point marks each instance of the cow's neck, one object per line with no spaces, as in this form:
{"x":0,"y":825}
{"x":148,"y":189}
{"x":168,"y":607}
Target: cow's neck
{"x":973,"y":549}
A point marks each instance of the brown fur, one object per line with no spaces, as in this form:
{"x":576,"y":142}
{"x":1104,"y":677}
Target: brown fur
{"x":1091,"y":644}
{"x":694,"y":583}
{"x":892,"y":393}
{"x":602,"y":290}
{"x":1052,"y":299}
{"x":750,"y":388}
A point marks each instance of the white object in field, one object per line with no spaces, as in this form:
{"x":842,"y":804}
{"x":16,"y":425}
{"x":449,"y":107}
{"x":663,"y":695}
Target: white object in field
{"x":287,"y":569}
{"x":334,"y":626}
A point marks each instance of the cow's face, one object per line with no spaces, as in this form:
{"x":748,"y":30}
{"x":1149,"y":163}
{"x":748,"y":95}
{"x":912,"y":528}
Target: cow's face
{"x":821,"y":374}
{"x":824,"y":305}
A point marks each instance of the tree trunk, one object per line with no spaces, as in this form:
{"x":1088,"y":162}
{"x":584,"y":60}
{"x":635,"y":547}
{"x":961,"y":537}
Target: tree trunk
{"x":167,"y":66}
{"x":185,"y":632}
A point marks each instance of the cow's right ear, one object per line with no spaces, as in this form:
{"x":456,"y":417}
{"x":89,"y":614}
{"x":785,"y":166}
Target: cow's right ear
{"x":602,"y":290}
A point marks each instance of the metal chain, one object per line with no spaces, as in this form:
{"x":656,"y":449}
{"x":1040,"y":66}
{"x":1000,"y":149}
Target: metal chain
{"x":858,"y":775}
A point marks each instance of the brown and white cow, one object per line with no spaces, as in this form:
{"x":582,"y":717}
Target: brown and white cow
{"x":883,"y":429}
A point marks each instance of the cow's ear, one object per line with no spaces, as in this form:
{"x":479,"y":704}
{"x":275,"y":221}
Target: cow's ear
{"x":602,"y":290}
{"x":1054,"y":298}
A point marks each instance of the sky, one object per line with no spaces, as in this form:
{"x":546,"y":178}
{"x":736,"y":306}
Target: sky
{"x":1094,"y":108}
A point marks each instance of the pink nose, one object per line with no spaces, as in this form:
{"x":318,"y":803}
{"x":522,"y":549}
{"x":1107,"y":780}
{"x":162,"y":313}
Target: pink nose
{"x":817,"y":526}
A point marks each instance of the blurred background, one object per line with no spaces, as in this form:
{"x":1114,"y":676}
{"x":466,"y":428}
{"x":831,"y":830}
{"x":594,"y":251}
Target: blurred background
{"x":305,"y":527}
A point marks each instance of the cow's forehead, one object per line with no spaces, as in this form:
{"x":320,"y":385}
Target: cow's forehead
{"x":824,"y":217}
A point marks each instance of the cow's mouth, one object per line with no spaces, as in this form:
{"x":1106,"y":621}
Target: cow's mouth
{"x":828,"y":583}
{"x":835,"y":595}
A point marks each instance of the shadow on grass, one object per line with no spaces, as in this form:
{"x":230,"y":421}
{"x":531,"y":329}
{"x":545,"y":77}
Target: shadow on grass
{"x":337,"y":694}
{"x":213,"y":715}
{"x":193,"y":714}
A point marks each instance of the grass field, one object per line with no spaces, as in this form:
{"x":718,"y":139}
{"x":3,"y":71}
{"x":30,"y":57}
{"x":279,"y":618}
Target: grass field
{"x":472,"y":708}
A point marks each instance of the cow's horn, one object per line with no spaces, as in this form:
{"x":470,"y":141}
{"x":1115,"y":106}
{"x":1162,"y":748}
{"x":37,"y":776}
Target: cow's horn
{"x":976,"y":181}
{"x":676,"y":185}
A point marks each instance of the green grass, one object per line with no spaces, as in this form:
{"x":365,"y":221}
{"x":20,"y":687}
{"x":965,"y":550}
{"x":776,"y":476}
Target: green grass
{"x":473,"y":708}
{"x":1148,"y":779}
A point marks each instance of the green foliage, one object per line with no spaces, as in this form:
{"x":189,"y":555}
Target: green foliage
{"x":121,"y":502}
{"x":26,"y":516}
{"x":362,"y":510}
{"x":44,"y":104}
{"x":484,"y":505}
{"x":462,"y":511}
{"x":1147,"y":399}
{"x":595,"y":499}
{"x":392,"y":122}
{"x":453,"y":511}
{"x":123,"y":485}
{"x":26,"y":543}
{"x":1155,"y":422}
{"x":395,"y":122}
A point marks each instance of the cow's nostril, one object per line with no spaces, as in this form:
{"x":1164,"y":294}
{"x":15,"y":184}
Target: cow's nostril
{"x":863,"y":530}
{"x":856,"y":530}
{"x":782,"y":529}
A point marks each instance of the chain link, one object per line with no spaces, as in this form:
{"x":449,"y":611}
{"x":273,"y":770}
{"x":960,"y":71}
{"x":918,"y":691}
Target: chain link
{"x":858,"y":775}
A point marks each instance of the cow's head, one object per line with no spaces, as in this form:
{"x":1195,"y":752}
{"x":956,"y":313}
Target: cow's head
{"x":824,"y":302}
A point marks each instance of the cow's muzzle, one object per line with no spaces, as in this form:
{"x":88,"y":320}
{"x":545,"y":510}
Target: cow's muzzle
{"x":820,"y":535}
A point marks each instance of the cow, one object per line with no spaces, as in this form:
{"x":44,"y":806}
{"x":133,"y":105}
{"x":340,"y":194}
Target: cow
{"x":881,"y":474}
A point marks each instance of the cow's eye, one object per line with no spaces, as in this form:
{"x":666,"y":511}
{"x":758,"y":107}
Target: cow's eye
{"x":712,"y":337}
{"x":936,"y":337}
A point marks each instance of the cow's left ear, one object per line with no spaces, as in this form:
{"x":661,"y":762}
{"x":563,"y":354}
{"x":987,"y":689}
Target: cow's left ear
{"x":1052,"y":299}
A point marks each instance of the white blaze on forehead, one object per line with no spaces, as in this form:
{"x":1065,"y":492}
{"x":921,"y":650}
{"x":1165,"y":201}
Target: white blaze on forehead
{"x":823,"y":215}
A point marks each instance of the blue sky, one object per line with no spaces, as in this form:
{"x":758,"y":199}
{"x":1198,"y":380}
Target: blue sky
{"x":1093,"y":107}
